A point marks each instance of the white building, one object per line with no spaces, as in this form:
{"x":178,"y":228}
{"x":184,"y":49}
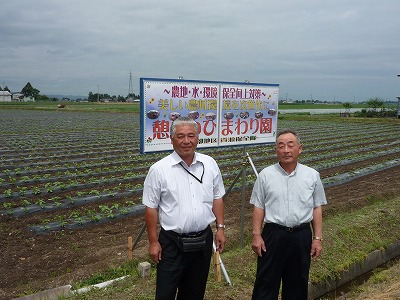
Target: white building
{"x":18,"y":97}
{"x":5,"y":96}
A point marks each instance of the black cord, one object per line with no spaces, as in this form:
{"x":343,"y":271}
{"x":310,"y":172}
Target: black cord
{"x":190,"y":173}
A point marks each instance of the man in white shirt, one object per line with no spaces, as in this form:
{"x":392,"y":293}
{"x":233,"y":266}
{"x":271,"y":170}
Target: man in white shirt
{"x":183,"y":192}
{"x":288,"y":198}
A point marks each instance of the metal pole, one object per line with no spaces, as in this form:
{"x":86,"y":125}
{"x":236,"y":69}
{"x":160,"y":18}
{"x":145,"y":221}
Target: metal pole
{"x":252,"y":164}
{"x":139,"y":235}
{"x":242,"y":210}
{"x":233,"y":183}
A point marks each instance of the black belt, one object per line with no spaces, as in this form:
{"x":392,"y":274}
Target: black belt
{"x":288,"y":229}
{"x":190,"y":234}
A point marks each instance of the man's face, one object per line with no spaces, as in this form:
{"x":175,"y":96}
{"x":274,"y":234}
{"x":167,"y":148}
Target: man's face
{"x":288,"y":149}
{"x":185,"y":140}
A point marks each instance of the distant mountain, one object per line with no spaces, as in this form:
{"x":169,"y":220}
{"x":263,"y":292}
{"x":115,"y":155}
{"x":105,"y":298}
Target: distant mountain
{"x":71,"y":97}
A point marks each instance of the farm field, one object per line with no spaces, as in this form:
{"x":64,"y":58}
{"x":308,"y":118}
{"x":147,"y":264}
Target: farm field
{"x":70,"y":186}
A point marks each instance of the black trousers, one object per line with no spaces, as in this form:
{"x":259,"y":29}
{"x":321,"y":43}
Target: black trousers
{"x":185,"y":272}
{"x":286,"y":260}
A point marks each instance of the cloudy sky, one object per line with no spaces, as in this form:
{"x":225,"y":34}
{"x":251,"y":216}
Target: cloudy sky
{"x":314,"y":49}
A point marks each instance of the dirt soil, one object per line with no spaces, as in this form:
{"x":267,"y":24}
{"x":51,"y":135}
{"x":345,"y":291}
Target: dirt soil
{"x":30,"y":263}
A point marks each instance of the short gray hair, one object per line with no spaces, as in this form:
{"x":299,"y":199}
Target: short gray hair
{"x":183,"y":121}
{"x":284,"y":131}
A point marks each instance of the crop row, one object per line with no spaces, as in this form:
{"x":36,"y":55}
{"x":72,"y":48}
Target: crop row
{"x":120,"y":160}
{"x":27,"y":186}
{"x":73,"y":197}
{"x":126,"y":143}
{"x":77,"y":218}
{"x":75,"y":169}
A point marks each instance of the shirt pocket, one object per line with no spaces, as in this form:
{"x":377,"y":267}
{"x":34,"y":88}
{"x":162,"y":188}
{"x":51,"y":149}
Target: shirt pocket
{"x":207,"y":192}
{"x":305,"y":194}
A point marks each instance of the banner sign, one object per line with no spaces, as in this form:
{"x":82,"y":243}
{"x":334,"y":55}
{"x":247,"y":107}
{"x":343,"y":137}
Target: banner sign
{"x":227,"y":113}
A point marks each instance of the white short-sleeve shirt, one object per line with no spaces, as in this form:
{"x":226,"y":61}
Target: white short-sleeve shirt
{"x":184,"y":204}
{"x":288,"y":199}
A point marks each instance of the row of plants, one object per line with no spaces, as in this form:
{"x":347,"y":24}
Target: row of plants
{"x":83,"y":216}
{"x":69,"y":161}
{"x":65,"y":184}
{"x":96,"y":196}
{"x":74,"y":168}
{"x":14,"y":186}
{"x":82,"y":138}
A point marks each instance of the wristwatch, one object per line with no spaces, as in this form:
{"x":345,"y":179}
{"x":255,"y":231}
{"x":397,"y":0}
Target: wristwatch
{"x":220,"y":226}
{"x":318,"y":238}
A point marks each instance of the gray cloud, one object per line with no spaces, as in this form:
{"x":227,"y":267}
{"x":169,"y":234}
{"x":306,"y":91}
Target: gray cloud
{"x":341,"y":50}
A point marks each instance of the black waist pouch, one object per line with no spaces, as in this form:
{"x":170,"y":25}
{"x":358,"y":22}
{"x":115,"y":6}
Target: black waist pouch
{"x":194,"y":243}
{"x":189,"y":242}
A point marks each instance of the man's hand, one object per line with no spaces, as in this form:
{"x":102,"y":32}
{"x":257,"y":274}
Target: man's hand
{"x":155,"y":251}
{"x":220,"y":240}
{"x":258,"y":245}
{"x":316,"y":249}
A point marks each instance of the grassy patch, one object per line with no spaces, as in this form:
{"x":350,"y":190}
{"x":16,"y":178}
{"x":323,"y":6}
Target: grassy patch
{"x":348,"y":238}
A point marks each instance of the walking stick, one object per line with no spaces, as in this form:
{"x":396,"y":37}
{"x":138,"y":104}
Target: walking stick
{"x":221,"y":264}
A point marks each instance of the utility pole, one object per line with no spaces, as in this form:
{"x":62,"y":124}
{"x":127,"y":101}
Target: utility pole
{"x":130,"y":89}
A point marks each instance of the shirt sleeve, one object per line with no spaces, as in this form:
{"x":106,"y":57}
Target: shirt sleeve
{"x":319,"y":193}
{"x":257,"y":195}
{"x":151,"y":189}
{"x":219,"y":188}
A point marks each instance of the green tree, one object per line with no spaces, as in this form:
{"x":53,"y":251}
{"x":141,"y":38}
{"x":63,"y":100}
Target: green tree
{"x":93,"y":97}
{"x":42,"y":98}
{"x":347,"y":106}
{"x":30,"y":91}
{"x":375,"y":103}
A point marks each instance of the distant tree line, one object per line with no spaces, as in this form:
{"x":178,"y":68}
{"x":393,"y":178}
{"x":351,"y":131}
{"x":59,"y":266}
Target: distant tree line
{"x":375,"y":108}
{"x":29,"y":91}
{"x":96,"y":97}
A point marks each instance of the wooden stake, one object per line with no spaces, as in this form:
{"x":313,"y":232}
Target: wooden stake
{"x":217,"y":266}
{"x":130,"y":248}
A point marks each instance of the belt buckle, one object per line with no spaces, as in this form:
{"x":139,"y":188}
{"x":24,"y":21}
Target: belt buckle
{"x":289,"y":229}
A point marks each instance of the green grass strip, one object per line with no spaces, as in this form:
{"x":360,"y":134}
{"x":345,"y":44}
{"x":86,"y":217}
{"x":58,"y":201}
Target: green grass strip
{"x":348,"y":238}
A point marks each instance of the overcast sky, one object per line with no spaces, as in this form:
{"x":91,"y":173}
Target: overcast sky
{"x":314,"y":49}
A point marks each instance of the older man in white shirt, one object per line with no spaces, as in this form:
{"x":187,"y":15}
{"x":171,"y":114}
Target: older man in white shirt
{"x":288,"y":198}
{"x":183,"y":192}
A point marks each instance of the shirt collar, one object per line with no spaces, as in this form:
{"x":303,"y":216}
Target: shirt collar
{"x":283,"y":170}
{"x":176,"y":159}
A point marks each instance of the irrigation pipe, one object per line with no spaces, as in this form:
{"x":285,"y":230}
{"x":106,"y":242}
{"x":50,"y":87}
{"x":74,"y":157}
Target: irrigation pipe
{"x":252,"y":164}
{"x":99,"y":285}
{"x":228,"y":280}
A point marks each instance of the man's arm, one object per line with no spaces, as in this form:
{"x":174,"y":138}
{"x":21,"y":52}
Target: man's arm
{"x":316,"y":246}
{"x":258,"y":244}
{"x":151,"y":216}
{"x":218,"y":210}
